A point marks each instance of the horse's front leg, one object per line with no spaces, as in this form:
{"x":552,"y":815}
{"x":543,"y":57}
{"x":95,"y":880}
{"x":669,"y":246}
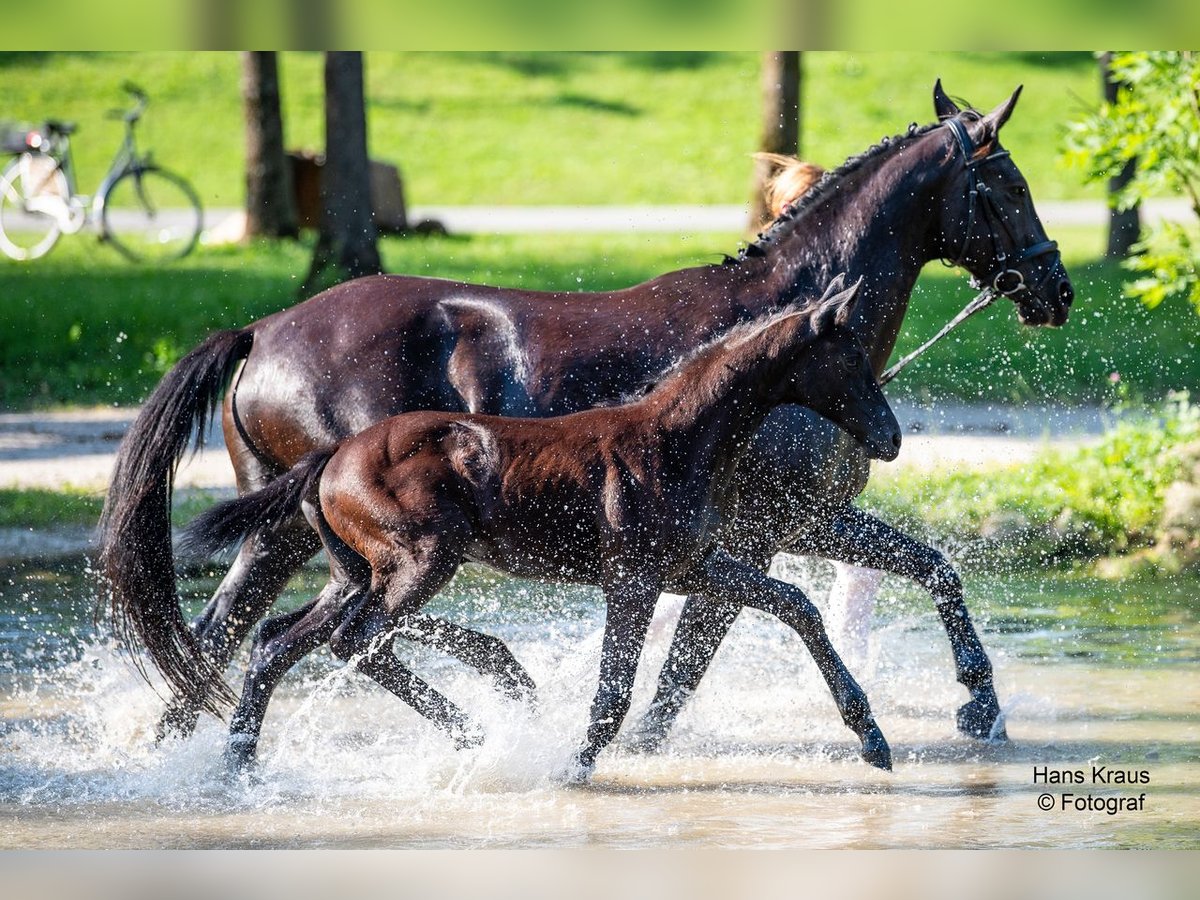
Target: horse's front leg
{"x":729,"y":580}
{"x":861,"y":539}
{"x":629,"y":607}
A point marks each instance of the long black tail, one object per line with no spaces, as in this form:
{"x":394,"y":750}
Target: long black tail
{"x":228,"y":524}
{"x":135,"y":527}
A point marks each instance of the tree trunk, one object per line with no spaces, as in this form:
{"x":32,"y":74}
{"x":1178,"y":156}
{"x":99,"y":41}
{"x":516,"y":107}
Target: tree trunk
{"x":1124,"y":226}
{"x":270,"y":200}
{"x":781,"y":79}
{"x":346,"y":238}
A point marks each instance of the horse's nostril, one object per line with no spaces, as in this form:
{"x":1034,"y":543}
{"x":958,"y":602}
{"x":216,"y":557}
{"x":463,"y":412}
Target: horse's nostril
{"x":1066,"y":293}
{"x":896,"y":439}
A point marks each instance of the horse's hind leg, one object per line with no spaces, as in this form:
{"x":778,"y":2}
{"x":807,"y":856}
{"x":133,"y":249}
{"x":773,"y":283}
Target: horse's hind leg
{"x":281,"y":642}
{"x":726,"y":579}
{"x":488,"y":655}
{"x":263,"y":567}
{"x":861,"y":539}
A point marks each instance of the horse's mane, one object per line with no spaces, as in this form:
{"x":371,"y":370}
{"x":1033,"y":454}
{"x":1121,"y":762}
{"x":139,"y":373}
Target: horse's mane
{"x":828,"y":184}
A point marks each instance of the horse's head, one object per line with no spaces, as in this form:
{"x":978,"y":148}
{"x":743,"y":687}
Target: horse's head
{"x":834,"y":377}
{"x":988,"y":223}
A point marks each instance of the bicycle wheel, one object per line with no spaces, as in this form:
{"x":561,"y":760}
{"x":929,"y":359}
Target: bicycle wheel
{"x":32,"y":190}
{"x":151,"y":216}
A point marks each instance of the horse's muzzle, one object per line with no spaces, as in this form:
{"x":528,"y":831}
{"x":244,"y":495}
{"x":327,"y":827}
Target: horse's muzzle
{"x":1052,"y":309}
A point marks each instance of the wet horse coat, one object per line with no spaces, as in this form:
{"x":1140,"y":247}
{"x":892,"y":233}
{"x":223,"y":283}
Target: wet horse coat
{"x":375,"y":347}
{"x":628,"y":498}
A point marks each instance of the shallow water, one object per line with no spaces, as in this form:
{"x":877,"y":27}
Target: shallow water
{"x":1090,"y":673}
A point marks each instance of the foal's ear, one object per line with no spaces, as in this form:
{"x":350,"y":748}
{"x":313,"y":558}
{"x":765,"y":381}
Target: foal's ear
{"x":942,"y":104}
{"x":991,"y":124}
{"x":837,"y":284}
{"x":836,"y":310}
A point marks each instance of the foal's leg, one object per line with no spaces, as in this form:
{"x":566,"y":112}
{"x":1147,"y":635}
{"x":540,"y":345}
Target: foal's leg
{"x":861,"y":539}
{"x":629,"y":608}
{"x":702,"y":625}
{"x":486,"y":654}
{"x":413,"y":576}
{"x":726,"y":579}
{"x":281,"y":642}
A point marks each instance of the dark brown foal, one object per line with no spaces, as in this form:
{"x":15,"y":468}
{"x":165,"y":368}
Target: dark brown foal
{"x":629,"y":498}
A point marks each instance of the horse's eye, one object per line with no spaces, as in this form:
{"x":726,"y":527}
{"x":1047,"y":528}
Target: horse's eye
{"x":1019,"y":190}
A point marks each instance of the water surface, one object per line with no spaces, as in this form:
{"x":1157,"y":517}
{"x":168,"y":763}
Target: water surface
{"x":1091,"y":673}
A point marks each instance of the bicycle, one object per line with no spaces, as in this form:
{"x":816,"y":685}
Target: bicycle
{"x":145,"y":212}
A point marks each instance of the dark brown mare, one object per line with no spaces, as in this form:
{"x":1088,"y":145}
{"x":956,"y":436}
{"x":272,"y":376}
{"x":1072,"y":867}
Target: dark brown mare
{"x":358,"y":353}
{"x":628,"y":498}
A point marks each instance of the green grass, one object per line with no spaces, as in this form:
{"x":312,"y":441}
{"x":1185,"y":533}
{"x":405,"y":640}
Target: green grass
{"x":83,"y":327}
{"x":42,"y":508}
{"x":541,"y":128}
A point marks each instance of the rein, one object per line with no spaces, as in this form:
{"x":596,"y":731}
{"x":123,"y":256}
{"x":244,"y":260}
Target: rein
{"x":1006,"y":281}
{"x":985,"y":299}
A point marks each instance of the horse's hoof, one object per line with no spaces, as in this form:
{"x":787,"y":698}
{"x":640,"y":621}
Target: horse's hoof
{"x":875,"y":750}
{"x":981,"y":719}
{"x":580,"y":771}
{"x":240,"y":757}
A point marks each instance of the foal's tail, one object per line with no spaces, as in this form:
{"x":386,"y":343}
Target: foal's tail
{"x":135,"y":527}
{"x":229,"y":524}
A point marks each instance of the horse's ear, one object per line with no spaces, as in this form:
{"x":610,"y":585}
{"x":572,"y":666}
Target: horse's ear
{"x":942,"y":104}
{"x":837,"y":309}
{"x":994,"y":121}
{"x":837,"y":284}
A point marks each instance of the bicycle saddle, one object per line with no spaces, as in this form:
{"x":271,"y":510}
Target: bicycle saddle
{"x":54,"y":126}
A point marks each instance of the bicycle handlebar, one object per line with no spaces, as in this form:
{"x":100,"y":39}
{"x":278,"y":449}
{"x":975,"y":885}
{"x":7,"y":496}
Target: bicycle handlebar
{"x":131,"y":115}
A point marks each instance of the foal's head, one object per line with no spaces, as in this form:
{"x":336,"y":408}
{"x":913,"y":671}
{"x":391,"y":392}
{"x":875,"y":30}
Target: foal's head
{"x":833,"y":376}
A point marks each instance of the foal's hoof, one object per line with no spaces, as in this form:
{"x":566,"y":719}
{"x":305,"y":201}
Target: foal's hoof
{"x":981,"y":719}
{"x":646,"y":741}
{"x":875,"y":750}
{"x":468,"y":738}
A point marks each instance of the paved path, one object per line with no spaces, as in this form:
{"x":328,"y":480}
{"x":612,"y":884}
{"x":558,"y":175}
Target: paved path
{"x":694,"y":218}
{"x":77,"y":448}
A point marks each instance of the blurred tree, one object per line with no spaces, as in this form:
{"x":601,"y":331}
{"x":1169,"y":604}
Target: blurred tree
{"x":270,"y":198}
{"x":346,"y":237}
{"x":1154,"y":125}
{"x":1124,"y":224}
{"x":781,"y":79}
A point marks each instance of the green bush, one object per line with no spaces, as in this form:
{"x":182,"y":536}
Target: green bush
{"x":1081,"y":503}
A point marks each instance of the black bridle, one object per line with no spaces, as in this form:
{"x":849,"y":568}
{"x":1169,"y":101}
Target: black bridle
{"x":1004,"y":278}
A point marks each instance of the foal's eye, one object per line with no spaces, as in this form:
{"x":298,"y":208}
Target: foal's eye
{"x":1019,"y":190}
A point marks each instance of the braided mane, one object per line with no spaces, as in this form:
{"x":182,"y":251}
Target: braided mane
{"x":828,"y":184}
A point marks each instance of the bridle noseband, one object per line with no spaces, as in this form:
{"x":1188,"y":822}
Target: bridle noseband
{"x":1004,"y":279}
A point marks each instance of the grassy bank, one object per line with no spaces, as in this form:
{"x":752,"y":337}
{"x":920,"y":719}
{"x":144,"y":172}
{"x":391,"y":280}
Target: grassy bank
{"x":1068,"y":506}
{"x":536,"y":128}
{"x":83,"y":327}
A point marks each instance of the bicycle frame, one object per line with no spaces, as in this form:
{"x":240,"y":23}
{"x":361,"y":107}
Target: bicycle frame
{"x":126,"y":159}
